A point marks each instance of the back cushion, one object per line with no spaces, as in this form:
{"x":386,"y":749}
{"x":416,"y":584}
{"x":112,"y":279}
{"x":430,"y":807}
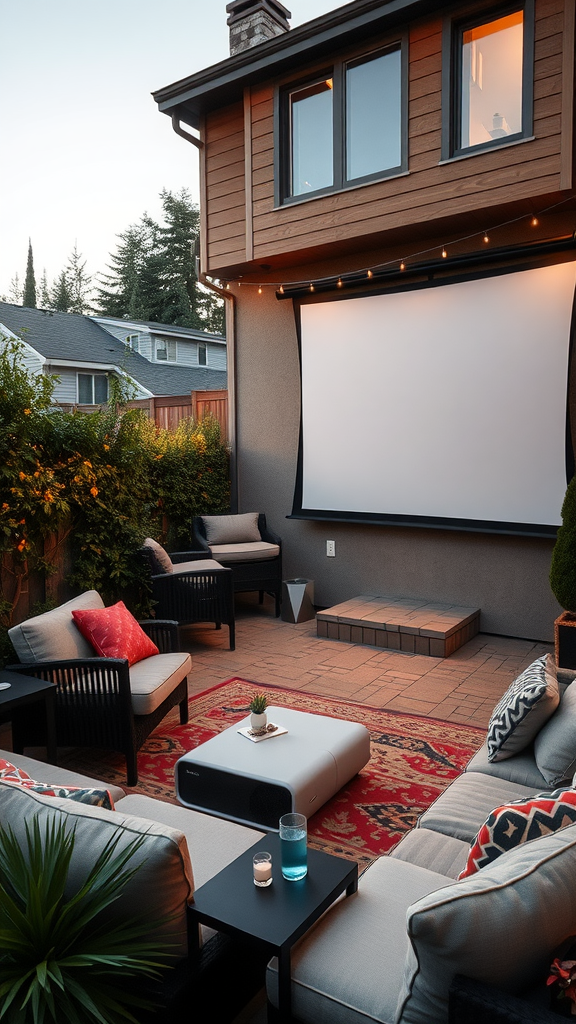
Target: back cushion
{"x":242,"y":529}
{"x":164,"y":882}
{"x":500,"y":925}
{"x":53,"y":636}
{"x":159,"y":557}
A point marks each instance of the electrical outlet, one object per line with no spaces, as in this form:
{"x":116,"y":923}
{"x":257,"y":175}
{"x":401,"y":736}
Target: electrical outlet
{"x":331,"y":548}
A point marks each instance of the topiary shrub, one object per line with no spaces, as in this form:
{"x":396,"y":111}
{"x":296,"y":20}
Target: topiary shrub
{"x":563,"y":569}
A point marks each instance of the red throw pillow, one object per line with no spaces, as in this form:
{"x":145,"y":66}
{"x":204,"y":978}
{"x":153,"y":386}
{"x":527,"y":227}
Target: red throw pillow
{"x":114,"y":633}
{"x":18,"y":777}
{"x":519,"y":822}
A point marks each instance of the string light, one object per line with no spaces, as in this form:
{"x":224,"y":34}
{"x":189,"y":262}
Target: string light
{"x":370,"y":274}
{"x":444,"y":254}
{"x":260,"y":290}
{"x":311,"y":286}
{"x":534,"y":222}
{"x":402,"y":265}
{"x":339,"y":282}
{"x":281,"y":289}
{"x":486,"y":239}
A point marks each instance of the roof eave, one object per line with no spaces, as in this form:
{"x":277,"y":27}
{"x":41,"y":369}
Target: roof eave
{"x":222,"y":83}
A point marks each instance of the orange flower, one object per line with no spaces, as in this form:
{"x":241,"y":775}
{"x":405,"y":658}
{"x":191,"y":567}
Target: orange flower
{"x":93,"y":491}
{"x":22,"y":544}
{"x":106,"y":447}
{"x":22,"y":475}
{"x":27,"y":412}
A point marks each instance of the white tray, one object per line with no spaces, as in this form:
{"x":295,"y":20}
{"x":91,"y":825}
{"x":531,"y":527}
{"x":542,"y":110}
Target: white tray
{"x":247,"y":732}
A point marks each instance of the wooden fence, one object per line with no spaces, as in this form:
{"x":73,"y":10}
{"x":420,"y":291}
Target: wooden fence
{"x":167,"y":411}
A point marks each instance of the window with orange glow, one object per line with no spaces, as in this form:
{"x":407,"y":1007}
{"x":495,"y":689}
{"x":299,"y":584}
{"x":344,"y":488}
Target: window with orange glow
{"x":492,"y":58}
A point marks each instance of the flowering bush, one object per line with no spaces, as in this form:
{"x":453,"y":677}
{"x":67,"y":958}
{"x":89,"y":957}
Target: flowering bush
{"x":563,"y":973}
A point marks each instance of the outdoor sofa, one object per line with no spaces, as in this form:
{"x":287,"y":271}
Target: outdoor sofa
{"x":389,"y":953}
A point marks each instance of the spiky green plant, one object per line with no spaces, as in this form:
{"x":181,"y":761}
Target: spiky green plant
{"x":258,"y":704}
{"x":59,"y":959}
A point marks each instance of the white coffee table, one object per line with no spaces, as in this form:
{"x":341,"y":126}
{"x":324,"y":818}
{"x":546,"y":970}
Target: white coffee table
{"x":255,"y":783}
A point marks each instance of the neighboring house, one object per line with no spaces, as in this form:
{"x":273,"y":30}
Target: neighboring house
{"x":388,"y":197}
{"x":168,"y":344}
{"x":83,"y":354}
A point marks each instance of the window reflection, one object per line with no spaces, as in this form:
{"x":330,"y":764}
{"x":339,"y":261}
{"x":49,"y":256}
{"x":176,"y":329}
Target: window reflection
{"x":492,"y":81}
{"x":373,"y":115}
{"x":312,"y":118}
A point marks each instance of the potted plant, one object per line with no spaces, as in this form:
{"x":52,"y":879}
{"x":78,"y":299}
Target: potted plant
{"x":60,"y":958}
{"x":258,"y":717}
{"x":563,"y":581}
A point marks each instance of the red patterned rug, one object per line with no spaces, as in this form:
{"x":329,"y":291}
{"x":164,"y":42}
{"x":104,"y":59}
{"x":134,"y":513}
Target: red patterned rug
{"x":413,"y":759}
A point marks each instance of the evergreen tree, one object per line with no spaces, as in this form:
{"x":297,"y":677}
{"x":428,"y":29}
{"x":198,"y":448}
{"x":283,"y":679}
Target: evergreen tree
{"x":79,"y":282}
{"x":45,"y":300}
{"x":60,"y":297}
{"x":15,"y":293}
{"x":29,"y":299}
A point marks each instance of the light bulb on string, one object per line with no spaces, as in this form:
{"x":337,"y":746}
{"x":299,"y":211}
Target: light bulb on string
{"x":534,"y":222}
{"x":486,"y":239}
{"x":281,"y":289}
{"x":311,"y":287}
{"x":444,"y":254}
{"x":402,"y":265}
{"x":260,"y":289}
{"x":339,"y":283}
{"x":370,"y":274}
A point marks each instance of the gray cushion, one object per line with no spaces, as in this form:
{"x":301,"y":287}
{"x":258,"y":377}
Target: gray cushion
{"x":196,"y":566}
{"x":500,"y":925}
{"x":154,"y":678}
{"x":53,"y":636}
{"x":520,"y":768}
{"x":462,"y":808}
{"x":433,"y":850}
{"x":238,"y":529}
{"x":161,"y":561}
{"x":163,"y":884}
{"x":43,"y":772}
{"x":528,"y":702}
{"x":555,"y":744}
{"x":348,"y":969}
{"x":256,"y":551}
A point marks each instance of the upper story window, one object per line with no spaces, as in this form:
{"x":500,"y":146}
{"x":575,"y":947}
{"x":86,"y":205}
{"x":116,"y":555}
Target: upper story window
{"x":491,"y":73}
{"x":345,"y":126}
{"x":92,"y":388}
{"x":133,"y":342}
{"x":166,"y":350}
{"x":202,"y":354}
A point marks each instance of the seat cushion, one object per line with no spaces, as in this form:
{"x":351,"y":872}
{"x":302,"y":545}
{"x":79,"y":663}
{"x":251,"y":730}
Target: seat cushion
{"x":527,"y":704}
{"x":521,"y":768}
{"x":500,"y":926}
{"x":53,"y":773}
{"x":348,"y":968}
{"x":53,"y":636}
{"x":555,"y":744}
{"x":235,"y":529}
{"x":206,"y":564}
{"x":433,"y":850}
{"x":153,"y":679}
{"x":258,"y":551}
{"x":462,"y":809}
{"x":159,"y":558}
{"x":164,"y":882}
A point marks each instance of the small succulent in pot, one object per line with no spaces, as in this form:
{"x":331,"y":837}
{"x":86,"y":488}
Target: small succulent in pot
{"x":258,"y":704}
{"x":258,"y":718}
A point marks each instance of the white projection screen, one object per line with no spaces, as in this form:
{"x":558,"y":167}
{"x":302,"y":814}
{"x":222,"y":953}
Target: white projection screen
{"x":443,"y":405}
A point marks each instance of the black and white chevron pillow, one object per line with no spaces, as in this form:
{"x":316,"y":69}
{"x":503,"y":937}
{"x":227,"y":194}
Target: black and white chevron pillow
{"x":527,"y":704}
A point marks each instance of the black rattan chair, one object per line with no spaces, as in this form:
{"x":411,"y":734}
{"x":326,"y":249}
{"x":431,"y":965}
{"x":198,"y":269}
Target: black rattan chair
{"x":94,"y":704}
{"x":190,"y":595}
{"x":263,"y":575}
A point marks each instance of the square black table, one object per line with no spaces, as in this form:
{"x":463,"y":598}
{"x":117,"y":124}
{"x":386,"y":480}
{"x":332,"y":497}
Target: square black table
{"x":277,"y":915}
{"x":28,"y":690}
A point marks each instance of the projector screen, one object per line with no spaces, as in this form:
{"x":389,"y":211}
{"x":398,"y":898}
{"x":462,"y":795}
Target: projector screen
{"x":442,"y":405}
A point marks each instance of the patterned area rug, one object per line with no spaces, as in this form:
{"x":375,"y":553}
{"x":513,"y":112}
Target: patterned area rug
{"x":413,"y":759}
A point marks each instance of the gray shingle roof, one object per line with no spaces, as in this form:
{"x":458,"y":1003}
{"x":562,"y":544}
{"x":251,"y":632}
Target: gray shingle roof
{"x":77,"y":338}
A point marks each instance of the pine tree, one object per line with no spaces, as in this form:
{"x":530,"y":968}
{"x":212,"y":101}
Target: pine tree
{"x":79,"y":283}
{"x":29,"y":298}
{"x":15,"y":293}
{"x":60,"y":298}
{"x":45,"y":300}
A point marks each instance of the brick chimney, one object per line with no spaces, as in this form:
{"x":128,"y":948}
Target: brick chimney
{"x":255,"y":21}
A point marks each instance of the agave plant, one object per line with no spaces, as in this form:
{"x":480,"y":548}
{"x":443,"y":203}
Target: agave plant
{"x":59,"y":960}
{"x":258,"y":704}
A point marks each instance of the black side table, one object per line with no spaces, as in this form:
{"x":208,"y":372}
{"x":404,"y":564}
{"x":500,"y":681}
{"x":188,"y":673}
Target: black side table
{"x":28,"y":690}
{"x":277,"y":915}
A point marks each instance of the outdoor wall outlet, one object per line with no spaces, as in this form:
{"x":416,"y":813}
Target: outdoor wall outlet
{"x":331,"y":548}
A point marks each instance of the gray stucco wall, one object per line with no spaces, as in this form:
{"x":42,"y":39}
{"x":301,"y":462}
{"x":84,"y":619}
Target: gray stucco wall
{"x":506,"y":577}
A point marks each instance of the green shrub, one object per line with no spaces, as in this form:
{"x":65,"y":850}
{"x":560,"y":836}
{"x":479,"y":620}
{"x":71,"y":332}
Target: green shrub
{"x":563,"y":570}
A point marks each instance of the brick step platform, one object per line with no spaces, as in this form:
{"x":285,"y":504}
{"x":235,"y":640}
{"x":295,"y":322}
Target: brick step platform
{"x":400,"y":624}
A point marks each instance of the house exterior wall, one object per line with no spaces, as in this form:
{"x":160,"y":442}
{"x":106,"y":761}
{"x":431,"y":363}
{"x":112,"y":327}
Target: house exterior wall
{"x":186,"y":349}
{"x":506,"y":577}
{"x":243,"y":224}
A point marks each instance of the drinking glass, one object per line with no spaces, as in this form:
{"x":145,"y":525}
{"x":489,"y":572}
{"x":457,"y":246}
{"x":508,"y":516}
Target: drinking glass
{"x":293,"y":856}
{"x":262,"y":868}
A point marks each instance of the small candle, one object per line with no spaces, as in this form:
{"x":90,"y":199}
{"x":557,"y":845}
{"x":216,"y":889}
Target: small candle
{"x":262,"y":867}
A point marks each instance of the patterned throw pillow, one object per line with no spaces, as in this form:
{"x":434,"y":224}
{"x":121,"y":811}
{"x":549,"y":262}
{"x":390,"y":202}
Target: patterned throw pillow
{"x":528,"y":702}
{"x":114,"y":633}
{"x":519,"y":822}
{"x":18,"y":777}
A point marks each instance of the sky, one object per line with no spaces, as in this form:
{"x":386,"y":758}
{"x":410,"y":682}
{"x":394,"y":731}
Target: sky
{"x":84,"y":150}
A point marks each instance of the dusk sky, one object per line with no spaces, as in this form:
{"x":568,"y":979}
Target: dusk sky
{"x":85,"y":151}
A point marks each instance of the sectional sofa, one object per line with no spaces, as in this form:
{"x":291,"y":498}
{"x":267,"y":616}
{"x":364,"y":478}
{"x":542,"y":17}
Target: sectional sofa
{"x":388,"y":954}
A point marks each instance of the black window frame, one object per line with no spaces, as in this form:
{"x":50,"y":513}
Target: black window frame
{"x":92,"y":374}
{"x":453,"y":29}
{"x":337,"y":72}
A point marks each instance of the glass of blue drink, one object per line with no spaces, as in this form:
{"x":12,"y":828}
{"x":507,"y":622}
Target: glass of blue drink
{"x":293,"y":857}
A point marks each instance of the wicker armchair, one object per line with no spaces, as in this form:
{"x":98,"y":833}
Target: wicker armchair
{"x":248,"y":573}
{"x":195,"y":590}
{"x":95,"y":697}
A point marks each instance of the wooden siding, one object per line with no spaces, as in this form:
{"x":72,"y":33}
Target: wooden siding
{"x":429,"y":191}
